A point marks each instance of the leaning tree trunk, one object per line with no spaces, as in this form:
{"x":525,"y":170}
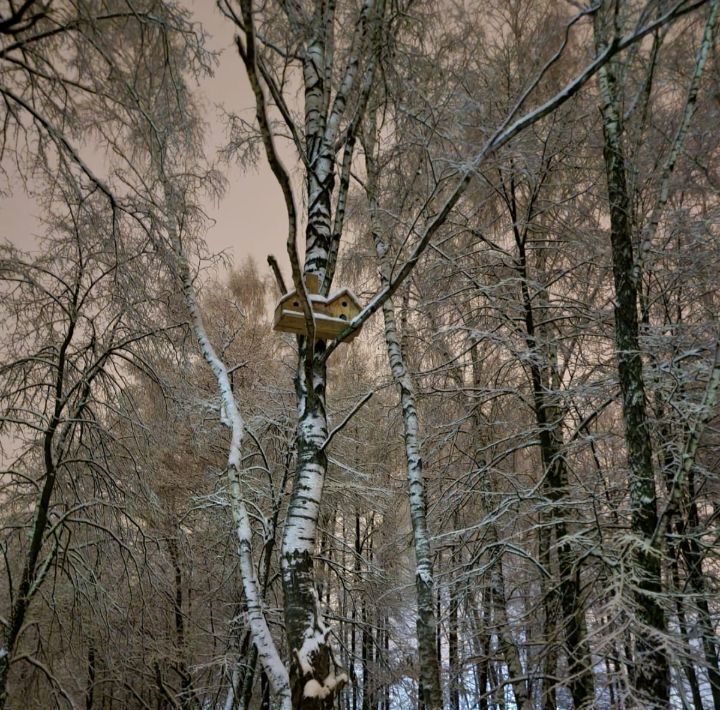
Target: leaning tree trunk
{"x":650,"y":670}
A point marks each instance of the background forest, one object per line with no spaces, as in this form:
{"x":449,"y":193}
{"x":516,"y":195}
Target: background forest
{"x":503,"y":493}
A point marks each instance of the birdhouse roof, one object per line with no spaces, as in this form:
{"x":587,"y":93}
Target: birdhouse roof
{"x":314,"y":297}
{"x":317,"y":298}
{"x":343,"y":292}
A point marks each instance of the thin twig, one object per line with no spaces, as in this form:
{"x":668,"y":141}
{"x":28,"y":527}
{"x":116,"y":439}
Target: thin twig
{"x":345,"y":421}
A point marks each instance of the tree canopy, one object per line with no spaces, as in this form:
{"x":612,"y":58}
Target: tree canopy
{"x":487,"y":481}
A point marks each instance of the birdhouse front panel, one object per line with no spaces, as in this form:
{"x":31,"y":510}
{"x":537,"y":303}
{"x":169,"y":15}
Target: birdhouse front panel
{"x":343,"y":305}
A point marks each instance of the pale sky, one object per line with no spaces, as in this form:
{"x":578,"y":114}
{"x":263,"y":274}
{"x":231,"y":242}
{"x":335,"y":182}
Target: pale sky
{"x":251,"y":218}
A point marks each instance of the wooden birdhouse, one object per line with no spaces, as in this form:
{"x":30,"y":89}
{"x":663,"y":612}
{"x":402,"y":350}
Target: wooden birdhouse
{"x":332,"y":313}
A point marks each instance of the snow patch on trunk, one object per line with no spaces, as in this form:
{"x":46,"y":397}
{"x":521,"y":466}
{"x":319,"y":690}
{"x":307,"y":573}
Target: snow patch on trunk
{"x":315,"y":689}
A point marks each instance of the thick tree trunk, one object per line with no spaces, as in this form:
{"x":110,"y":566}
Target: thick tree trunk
{"x":312,"y":669}
{"x":312,"y":673}
{"x":651,"y":676}
{"x":313,"y":680}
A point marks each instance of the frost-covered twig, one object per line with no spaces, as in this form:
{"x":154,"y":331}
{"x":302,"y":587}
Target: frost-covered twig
{"x":687,"y":458}
{"x":501,"y":137}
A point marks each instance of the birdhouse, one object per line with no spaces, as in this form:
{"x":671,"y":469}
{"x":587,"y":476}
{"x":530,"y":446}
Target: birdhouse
{"x":332,"y":313}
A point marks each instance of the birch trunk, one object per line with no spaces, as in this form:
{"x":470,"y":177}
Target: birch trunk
{"x":424,"y":583}
{"x":232,"y":419}
{"x":312,"y":668}
{"x":313,"y":678}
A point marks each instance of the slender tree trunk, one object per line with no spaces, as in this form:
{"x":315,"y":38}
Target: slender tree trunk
{"x":424,"y":583}
{"x":481,"y":646}
{"x":686,"y":657}
{"x":548,"y":420}
{"x":673,"y":550}
{"x":181,"y":669}
{"x":314,"y":682}
{"x":497,"y":594}
{"x":369,"y":681}
{"x":453,"y":635}
{"x":692,"y":553}
{"x":261,"y":636}
{"x":386,"y":659}
{"x":248,"y":680}
{"x":367,"y":654}
{"x":91,"y":668}
{"x":651,"y":676}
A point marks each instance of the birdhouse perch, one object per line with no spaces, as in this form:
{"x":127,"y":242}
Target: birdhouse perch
{"x":332,"y":313}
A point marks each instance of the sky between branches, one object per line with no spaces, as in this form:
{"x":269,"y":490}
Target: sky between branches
{"x":250,"y":219}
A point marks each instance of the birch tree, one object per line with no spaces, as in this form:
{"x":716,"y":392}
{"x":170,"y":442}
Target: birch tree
{"x":495,"y":328}
{"x":427,"y":622}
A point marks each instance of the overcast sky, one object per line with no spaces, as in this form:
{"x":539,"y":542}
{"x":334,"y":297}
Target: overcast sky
{"x":250,"y":219}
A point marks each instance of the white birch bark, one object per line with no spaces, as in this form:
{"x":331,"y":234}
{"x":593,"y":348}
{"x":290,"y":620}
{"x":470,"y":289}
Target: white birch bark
{"x":262,"y":638}
{"x":313,"y":677}
{"x":424,"y":583}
